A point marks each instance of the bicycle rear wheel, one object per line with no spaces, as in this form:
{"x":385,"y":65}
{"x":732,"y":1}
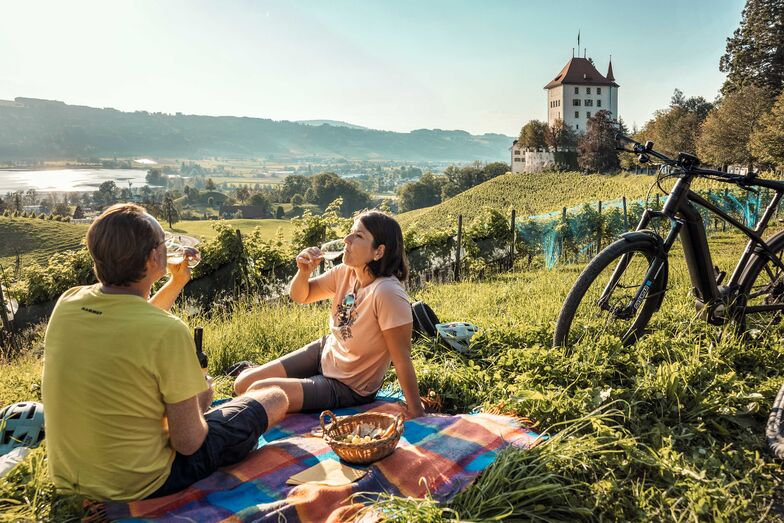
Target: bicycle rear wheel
{"x":762,"y":283}
{"x":601,"y":298}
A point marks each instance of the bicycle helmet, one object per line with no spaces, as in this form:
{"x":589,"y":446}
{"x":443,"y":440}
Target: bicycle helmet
{"x":457,"y":334}
{"x":21,"y":425}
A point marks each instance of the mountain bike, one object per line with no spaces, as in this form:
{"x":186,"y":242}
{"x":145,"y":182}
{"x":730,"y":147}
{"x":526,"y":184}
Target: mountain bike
{"x":625,"y":284}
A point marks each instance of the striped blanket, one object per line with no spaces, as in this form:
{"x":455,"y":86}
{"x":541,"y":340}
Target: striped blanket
{"x":439,"y":455}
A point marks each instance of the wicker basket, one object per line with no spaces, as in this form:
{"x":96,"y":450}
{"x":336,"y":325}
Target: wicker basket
{"x":361,"y":453}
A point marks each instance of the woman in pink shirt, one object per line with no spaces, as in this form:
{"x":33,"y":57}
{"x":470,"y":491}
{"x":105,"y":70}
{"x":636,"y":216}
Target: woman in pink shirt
{"x":370,"y":325}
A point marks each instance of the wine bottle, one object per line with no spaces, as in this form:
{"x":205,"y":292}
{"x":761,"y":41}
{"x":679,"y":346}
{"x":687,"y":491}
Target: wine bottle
{"x":198,"y":334}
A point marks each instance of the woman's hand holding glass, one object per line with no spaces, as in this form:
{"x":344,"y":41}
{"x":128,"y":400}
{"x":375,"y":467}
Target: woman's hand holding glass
{"x":309,"y":259}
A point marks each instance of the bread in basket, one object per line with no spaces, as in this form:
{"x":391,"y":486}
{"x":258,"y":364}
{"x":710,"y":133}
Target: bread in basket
{"x":381,"y":434}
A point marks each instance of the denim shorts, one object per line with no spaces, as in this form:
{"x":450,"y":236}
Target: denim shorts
{"x":318,"y":391}
{"x":234,"y":430}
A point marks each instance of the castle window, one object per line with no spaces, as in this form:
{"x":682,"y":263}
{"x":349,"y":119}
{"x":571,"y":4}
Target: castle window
{"x":598,"y":103}
{"x":587,"y":90}
{"x":576,"y":102}
{"x":589,"y":103}
{"x":577,"y":114}
{"x":588,"y":114}
{"x":577,"y":126}
{"x":598,"y":90}
{"x":576,"y":90}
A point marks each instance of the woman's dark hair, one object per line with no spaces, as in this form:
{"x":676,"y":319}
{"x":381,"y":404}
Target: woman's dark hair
{"x":386,"y":231}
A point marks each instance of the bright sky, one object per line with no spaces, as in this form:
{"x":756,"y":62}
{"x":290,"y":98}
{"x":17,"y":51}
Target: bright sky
{"x":395,"y":65}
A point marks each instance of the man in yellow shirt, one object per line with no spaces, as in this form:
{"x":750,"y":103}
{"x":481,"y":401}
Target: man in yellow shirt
{"x":124,"y":394}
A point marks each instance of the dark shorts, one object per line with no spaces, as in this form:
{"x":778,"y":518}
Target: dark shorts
{"x":234,"y":430}
{"x":318,"y":391}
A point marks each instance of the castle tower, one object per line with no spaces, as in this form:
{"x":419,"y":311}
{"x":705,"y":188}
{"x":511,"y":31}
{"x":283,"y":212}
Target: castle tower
{"x":579,"y":91}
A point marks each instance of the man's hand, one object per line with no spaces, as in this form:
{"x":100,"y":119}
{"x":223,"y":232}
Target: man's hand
{"x":309,"y":259}
{"x":181,"y":272}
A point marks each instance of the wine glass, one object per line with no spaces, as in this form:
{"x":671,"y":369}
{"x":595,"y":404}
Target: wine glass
{"x":332,"y":250}
{"x":180,"y":247}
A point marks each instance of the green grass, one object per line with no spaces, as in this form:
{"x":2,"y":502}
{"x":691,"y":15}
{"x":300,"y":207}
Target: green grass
{"x":670,"y":429}
{"x":35,"y":240}
{"x":204,"y":228}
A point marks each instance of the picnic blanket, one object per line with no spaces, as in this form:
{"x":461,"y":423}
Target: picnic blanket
{"x":439,"y":455}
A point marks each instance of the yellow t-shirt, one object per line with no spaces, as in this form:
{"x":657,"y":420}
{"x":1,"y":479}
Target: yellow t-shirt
{"x":111,"y":361}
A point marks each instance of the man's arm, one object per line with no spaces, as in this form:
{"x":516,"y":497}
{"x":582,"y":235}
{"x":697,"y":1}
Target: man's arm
{"x":167,"y":295}
{"x":187,"y":428}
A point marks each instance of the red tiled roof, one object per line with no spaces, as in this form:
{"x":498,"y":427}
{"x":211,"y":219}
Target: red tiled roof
{"x":580,"y":71}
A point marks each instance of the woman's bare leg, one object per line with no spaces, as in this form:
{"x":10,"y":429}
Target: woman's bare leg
{"x":273,"y":369}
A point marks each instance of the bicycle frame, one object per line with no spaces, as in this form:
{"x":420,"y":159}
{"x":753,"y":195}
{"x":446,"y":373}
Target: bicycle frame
{"x":686,"y":221}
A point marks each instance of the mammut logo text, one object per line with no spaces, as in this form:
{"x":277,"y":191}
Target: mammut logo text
{"x":92,"y":311}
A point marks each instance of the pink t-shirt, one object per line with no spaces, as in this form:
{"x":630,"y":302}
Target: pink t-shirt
{"x":355,"y":352}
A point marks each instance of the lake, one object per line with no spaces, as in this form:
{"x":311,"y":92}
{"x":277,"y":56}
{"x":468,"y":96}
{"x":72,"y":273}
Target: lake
{"x":68,"y":180}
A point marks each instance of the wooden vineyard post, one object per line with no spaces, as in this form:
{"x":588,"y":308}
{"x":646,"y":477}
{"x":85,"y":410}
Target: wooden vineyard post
{"x":514,"y":240}
{"x":459,"y":242}
{"x":657,"y":202}
{"x":599,"y":231}
{"x":625,"y":216}
{"x":724,"y":223}
{"x":8,"y":331}
{"x":561,"y":239}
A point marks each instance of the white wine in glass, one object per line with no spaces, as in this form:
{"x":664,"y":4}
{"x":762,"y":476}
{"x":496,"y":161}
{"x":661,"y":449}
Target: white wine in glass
{"x":177,"y":246}
{"x":332,"y":250}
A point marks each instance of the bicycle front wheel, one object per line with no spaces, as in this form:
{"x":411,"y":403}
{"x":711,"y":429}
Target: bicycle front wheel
{"x":602,"y":299}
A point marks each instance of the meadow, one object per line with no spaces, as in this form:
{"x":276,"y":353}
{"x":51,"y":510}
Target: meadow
{"x":670,"y":429}
{"x":205,"y":228}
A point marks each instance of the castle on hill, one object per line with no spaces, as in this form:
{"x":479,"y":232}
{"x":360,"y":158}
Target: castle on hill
{"x":576,"y":93}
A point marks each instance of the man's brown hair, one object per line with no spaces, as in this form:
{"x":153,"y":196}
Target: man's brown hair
{"x":120,"y":241}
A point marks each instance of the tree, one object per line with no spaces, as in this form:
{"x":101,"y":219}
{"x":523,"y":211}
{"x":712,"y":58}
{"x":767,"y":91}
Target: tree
{"x":327,"y":187}
{"x":259,"y":200}
{"x":294,"y":184}
{"x":242,"y":193}
{"x":106,"y":193}
{"x":170,"y":211}
{"x":725,"y":133}
{"x":767,"y":140}
{"x":297,"y":200}
{"x":532,"y":135}
{"x":677,"y":128}
{"x":280,"y":213}
{"x":596,"y":149}
{"x":560,"y":136}
{"x":155,"y":178}
{"x":755,"y":51}
{"x":422,"y":193}
{"x":209,"y":185}
{"x":78,"y":213}
{"x":31,"y":197}
{"x":61,"y":209}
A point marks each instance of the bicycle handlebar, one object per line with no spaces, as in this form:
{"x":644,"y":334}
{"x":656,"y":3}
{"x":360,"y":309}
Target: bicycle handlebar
{"x":685,"y":161}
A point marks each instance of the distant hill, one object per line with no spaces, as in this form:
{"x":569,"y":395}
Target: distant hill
{"x":44,"y":129}
{"x":333,"y":123}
